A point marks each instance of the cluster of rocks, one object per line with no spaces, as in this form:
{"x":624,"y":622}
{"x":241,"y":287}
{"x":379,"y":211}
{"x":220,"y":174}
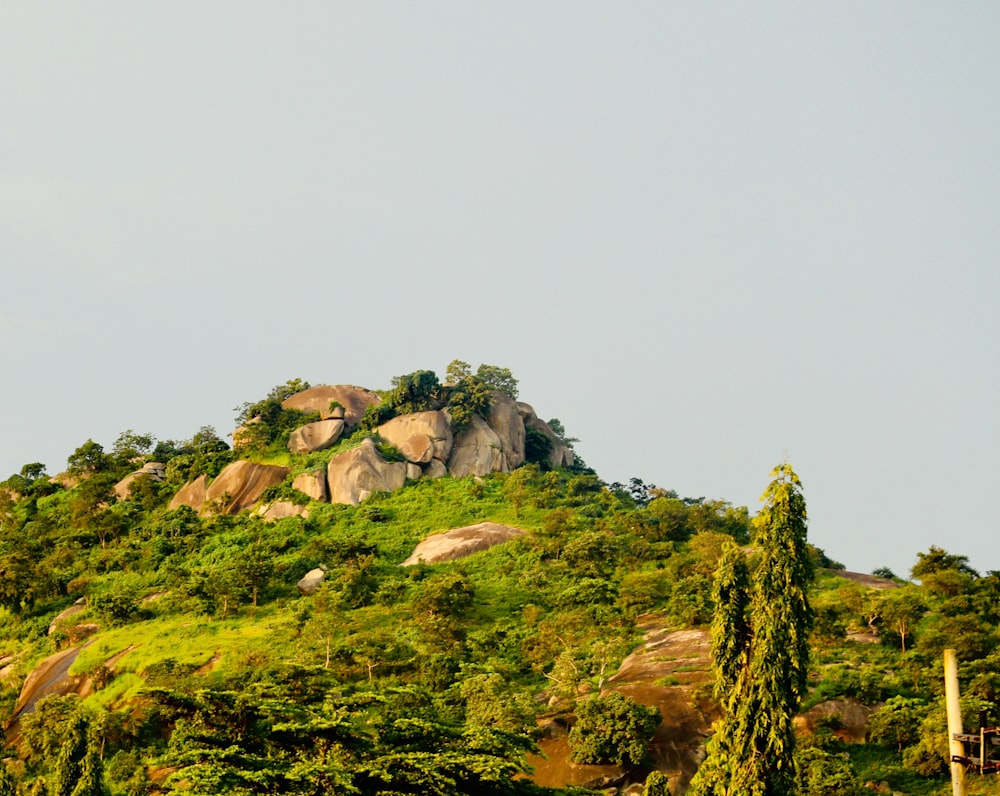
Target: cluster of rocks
{"x":426,"y":440}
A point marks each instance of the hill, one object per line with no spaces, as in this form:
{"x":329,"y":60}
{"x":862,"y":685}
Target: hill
{"x":157,"y":625}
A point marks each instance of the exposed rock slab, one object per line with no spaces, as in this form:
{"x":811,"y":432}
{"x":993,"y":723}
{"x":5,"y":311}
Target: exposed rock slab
{"x":316,"y":436}
{"x":461,"y":542}
{"x":312,"y":484}
{"x":354,"y":400}
{"x":354,"y":475}
{"x":420,"y":436}
{"x":191,"y":494}
{"x":241,"y":484}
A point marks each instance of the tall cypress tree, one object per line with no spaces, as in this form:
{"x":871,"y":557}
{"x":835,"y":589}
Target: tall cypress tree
{"x":761,"y":652}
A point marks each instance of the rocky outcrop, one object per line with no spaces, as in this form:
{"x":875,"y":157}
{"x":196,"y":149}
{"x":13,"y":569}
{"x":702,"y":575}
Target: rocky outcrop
{"x":420,"y":436}
{"x":354,"y":400}
{"x":354,"y":475}
{"x":435,"y":468}
{"x":191,"y":494}
{"x":461,"y":542}
{"x":561,"y":455}
{"x":505,"y":420}
{"x":312,"y":484}
{"x":316,"y":436}
{"x":476,"y":451}
{"x":311,"y":581}
{"x":240,"y":485}
{"x":154,"y":470}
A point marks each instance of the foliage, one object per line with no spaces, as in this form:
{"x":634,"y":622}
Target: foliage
{"x":612,"y":729}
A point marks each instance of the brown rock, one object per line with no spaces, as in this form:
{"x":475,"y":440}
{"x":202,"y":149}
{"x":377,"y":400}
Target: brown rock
{"x":153,"y":470}
{"x":316,"y":436}
{"x":281,"y":509}
{"x":420,"y":436}
{"x":241,"y":484}
{"x":191,"y":494}
{"x":354,"y":401}
{"x":354,"y":475}
{"x":476,"y":451}
{"x":435,"y":469}
{"x":505,"y":420}
{"x":312,"y":484}
{"x":461,"y":542}
{"x":310,"y":582}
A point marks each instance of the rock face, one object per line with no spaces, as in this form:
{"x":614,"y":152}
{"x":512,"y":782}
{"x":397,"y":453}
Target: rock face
{"x":420,"y":436}
{"x":313,"y":485}
{"x":461,"y":542}
{"x":561,"y":455}
{"x":241,"y":484}
{"x":154,"y":470}
{"x":505,"y":420}
{"x":311,"y":581}
{"x":354,"y":401}
{"x":191,"y":494}
{"x":476,"y":451}
{"x":315,"y":436}
{"x":356,"y":474}
{"x":281,"y":509}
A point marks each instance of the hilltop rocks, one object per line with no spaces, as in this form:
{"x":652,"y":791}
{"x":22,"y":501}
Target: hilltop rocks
{"x":420,"y":436}
{"x":561,"y":455}
{"x":154,"y":470}
{"x":461,"y":542}
{"x":356,"y":474}
{"x":505,"y":420}
{"x":476,"y":451}
{"x":315,"y":436}
{"x":353,"y":402}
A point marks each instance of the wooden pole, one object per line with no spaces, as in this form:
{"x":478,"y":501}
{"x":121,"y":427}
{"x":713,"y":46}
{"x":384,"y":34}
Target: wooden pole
{"x":954,"y":721}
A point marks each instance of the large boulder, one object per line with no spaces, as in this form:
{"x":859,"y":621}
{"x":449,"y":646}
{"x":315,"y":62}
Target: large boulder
{"x":316,"y":436}
{"x":461,"y":542}
{"x":154,"y":470}
{"x":191,"y":494}
{"x":560,"y":455}
{"x":311,"y":581}
{"x":241,"y":484}
{"x":476,"y":451}
{"x":312,"y":484}
{"x":354,"y":475}
{"x":505,"y":420}
{"x":420,"y":436}
{"x":279,"y":509}
{"x":354,"y":400}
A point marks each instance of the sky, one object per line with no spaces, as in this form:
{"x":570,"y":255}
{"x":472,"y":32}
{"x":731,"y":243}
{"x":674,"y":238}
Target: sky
{"x":708,"y":237}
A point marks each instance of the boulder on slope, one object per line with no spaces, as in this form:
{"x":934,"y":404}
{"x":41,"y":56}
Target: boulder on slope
{"x":154,"y":470}
{"x":241,"y":484}
{"x":420,"y":436}
{"x":312,"y":484}
{"x":354,"y":400}
{"x":191,"y":494}
{"x":316,"y":436}
{"x":477,"y":451}
{"x":461,"y":542}
{"x":505,"y":420}
{"x":355,"y":474}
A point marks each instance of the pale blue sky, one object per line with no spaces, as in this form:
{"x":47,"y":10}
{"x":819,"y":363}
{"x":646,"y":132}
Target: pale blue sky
{"x":706,"y":236}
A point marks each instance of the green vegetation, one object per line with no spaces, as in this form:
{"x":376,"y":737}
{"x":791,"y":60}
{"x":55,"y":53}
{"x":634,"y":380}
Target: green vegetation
{"x":211,"y":674}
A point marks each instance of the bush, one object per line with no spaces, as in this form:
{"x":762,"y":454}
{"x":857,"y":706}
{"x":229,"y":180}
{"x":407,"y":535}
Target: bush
{"x":612,"y":729}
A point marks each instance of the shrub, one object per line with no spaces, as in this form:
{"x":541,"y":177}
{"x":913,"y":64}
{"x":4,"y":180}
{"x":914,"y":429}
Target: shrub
{"x":612,"y":729}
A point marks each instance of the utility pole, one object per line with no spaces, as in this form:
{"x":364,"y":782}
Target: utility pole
{"x":955,"y":746}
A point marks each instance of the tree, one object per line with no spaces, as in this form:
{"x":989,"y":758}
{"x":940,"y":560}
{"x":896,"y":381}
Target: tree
{"x":87,"y":459}
{"x":612,"y":729}
{"x":752,"y":753}
{"x":457,"y":371}
{"x":499,"y":379}
{"x":8,"y":786}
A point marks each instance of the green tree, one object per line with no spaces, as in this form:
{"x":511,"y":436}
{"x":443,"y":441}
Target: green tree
{"x":752,"y":753}
{"x":612,"y":729}
{"x":657,"y":784}
{"x":457,"y":370}
{"x":89,"y":458}
{"x":8,"y":786}
{"x":499,"y":379}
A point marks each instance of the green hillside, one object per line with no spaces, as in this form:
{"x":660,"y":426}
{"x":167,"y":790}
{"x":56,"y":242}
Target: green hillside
{"x":197,"y":666}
